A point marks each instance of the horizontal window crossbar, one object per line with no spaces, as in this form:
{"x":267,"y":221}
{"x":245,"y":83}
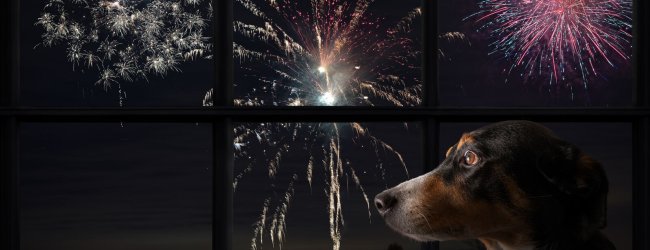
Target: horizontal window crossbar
{"x":324,"y":114}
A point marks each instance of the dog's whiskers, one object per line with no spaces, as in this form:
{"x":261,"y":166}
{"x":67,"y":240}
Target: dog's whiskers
{"x":425,"y":219}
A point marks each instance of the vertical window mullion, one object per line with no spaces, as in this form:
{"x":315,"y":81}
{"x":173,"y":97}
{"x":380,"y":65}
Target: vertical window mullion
{"x":9,"y":184}
{"x":9,"y":94}
{"x":223,"y":63}
{"x":642,"y":127}
{"x":9,"y":87}
{"x":640,"y":53}
{"x":429,"y":58}
{"x":640,"y":183}
{"x":222,"y":199}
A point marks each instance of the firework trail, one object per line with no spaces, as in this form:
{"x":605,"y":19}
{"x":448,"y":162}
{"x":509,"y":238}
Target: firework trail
{"x":325,"y":53}
{"x":451,"y":38}
{"x":278,"y":222}
{"x":264,"y":145}
{"x":127,"y":40}
{"x":559,"y":39}
{"x":320,"y":53}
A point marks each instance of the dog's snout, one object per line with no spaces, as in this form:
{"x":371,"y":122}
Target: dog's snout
{"x":384,"y":201}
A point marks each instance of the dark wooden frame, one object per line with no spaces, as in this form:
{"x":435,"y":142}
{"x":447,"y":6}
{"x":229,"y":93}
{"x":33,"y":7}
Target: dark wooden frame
{"x":223,"y":114}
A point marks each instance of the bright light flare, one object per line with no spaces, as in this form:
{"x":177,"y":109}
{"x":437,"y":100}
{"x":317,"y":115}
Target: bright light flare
{"x":328,"y":99}
{"x":115,"y":5}
{"x":305,"y":48}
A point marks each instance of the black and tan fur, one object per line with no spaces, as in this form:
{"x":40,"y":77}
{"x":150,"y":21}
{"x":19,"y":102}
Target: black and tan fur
{"x":527,"y":190}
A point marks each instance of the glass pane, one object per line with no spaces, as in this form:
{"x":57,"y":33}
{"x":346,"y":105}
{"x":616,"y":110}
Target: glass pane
{"x":117,"y":53}
{"x":535,"y":53}
{"x":608,"y":143}
{"x":290,"y":177}
{"x":327,"y":53}
{"x":106,"y":186}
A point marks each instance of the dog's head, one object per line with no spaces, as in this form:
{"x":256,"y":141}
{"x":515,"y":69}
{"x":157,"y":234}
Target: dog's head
{"x":513,"y":182}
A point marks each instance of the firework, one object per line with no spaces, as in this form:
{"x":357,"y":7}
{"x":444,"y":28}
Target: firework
{"x":325,"y":53}
{"x":451,"y":38}
{"x":320,"y":53}
{"x":560,"y":40}
{"x":267,"y":144}
{"x":127,"y":40}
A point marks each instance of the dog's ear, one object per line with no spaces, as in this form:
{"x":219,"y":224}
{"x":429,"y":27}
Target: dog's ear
{"x":581,"y":180}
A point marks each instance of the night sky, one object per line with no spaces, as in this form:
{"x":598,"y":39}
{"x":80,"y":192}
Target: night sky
{"x":148,"y":186}
{"x":103,"y":186}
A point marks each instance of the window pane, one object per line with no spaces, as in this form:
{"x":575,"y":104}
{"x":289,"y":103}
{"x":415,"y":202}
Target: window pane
{"x":106,"y":186}
{"x":608,"y":143}
{"x":115,"y":53}
{"x":535,"y":53}
{"x":327,"y":53}
{"x":288,"y":175}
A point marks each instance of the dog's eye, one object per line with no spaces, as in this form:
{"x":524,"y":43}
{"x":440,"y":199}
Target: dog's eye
{"x":470,"y":158}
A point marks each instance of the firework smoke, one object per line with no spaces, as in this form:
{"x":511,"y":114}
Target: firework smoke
{"x":559,"y":39}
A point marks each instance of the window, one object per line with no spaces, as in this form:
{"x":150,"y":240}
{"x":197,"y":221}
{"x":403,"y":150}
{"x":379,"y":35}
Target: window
{"x":80,"y":186}
{"x":203,"y":100}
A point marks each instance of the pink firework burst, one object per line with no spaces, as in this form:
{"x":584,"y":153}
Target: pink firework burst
{"x":559,"y":39}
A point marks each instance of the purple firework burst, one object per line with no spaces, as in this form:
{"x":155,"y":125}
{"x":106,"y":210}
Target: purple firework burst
{"x":566,"y":42}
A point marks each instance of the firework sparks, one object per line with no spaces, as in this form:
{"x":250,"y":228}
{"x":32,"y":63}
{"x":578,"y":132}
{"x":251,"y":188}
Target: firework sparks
{"x":325,"y":53}
{"x":451,"y":38}
{"x":559,"y":39}
{"x":127,"y":40}
{"x":328,"y":99}
{"x":321,"y":144}
{"x":322,"y":53}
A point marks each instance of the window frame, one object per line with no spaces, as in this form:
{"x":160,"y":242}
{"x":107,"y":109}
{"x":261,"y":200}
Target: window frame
{"x":224,"y":114}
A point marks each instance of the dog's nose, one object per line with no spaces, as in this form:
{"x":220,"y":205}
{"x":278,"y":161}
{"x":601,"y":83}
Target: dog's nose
{"x":384,"y":201}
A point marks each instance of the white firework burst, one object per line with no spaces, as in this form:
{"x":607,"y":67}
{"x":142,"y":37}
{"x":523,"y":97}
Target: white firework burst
{"x":127,"y":40}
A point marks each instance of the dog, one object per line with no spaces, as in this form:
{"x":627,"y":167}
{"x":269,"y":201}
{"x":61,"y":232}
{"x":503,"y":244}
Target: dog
{"x":512,"y":185}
